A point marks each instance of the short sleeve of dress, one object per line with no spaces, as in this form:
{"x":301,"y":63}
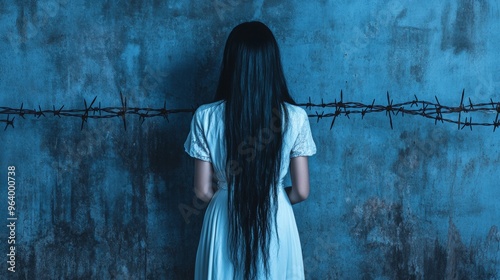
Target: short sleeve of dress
{"x":196,"y":142}
{"x":304,"y":144}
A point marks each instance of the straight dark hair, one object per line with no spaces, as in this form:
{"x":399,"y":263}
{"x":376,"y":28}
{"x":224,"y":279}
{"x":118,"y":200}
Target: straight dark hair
{"x":253,"y":86}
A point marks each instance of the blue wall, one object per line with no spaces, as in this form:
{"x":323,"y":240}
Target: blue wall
{"x":420,"y":201}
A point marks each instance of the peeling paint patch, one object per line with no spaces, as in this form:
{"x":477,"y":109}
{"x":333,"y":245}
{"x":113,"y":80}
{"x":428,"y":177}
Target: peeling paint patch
{"x":419,"y":148}
{"x":465,"y":262}
{"x":387,"y":240}
{"x":461,"y":34}
{"x":394,"y":246}
{"x":409,"y":54}
{"x":463,"y":37}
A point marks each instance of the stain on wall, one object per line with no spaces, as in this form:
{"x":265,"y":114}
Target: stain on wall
{"x":462,"y":34}
{"x":409,"y":54}
{"x":102,"y":202}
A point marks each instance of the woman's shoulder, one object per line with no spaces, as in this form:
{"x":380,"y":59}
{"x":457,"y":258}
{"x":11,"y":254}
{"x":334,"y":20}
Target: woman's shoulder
{"x":209,"y":107}
{"x":296,"y":111}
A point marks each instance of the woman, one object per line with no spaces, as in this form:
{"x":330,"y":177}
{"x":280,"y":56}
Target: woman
{"x":244,"y":142}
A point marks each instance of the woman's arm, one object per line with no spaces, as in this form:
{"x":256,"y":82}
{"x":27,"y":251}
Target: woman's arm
{"x":203,"y":187}
{"x":299,"y":173}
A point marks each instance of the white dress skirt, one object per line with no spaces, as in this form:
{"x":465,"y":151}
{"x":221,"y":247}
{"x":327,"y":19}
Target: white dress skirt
{"x":205,"y":142}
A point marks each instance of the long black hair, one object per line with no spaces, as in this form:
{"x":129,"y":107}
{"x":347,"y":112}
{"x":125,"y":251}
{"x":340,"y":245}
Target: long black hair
{"x":253,"y":86}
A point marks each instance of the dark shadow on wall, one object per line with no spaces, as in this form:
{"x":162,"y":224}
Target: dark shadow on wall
{"x":117,"y":194}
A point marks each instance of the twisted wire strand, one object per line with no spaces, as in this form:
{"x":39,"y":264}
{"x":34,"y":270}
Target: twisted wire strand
{"x":428,"y":109}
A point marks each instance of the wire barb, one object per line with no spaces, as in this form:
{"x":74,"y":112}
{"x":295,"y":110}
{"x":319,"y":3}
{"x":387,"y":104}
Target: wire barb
{"x":39,"y":113}
{"x":9,"y":122}
{"x":388,"y":108}
{"x":123,"y":110}
{"x":21,"y":112}
{"x":58,"y":112}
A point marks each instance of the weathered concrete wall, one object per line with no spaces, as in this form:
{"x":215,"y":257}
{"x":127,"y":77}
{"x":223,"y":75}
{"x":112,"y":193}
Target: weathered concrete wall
{"x":416,"y":202}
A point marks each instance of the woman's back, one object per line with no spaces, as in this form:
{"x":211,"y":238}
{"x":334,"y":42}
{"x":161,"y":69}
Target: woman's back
{"x":211,"y":145}
{"x":206,"y":142}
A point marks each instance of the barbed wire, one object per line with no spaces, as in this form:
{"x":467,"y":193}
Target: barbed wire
{"x":427,"y":109}
{"x":432,"y":110}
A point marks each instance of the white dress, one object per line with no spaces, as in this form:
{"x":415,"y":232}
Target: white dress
{"x":206,"y":142}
